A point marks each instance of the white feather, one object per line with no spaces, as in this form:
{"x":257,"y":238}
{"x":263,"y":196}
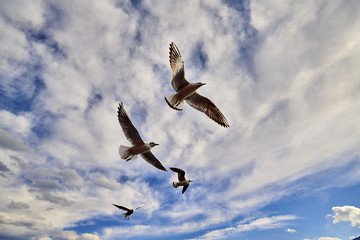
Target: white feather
{"x":125,"y":154}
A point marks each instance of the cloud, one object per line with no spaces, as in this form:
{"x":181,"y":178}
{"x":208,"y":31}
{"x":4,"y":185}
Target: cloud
{"x":273,"y":70}
{"x":9,"y":142}
{"x":70,"y":178}
{"x":328,"y":238}
{"x":254,"y":224}
{"x":106,"y":183}
{"x":289,"y":230}
{"x":3,"y":167}
{"x":18,"y":205}
{"x":347,"y":214}
{"x":21,"y":123}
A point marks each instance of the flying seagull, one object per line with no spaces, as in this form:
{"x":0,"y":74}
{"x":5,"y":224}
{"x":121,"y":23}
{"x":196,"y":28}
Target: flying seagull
{"x":182,"y":181}
{"x":139,"y":146}
{"x":187,"y":91}
{"x":128,"y":212}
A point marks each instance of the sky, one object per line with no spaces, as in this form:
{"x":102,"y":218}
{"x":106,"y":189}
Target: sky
{"x":284,"y":73}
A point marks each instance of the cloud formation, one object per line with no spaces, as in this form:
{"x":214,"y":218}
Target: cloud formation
{"x":285,"y":75}
{"x":289,"y":230}
{"x":328,"y":238}
{"x":347,"y":214}
{"x":249,"y":225}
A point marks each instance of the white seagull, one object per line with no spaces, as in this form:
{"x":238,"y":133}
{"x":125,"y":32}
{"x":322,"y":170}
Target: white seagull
{"x":187,"y":91}
{"x":139,"y":146}
{"x":128,"y":212}
{"x":182,"y":181}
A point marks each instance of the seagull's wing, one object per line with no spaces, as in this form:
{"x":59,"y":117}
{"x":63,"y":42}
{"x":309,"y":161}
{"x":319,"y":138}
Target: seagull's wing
{"x":128,"y":128}
{"x":206,"y":106}
{"x":184,"y":188}
{"x":150,"y":158}
{"x":178,"y":80}
{"x":121,"y":207}
{"x":181,"y":173}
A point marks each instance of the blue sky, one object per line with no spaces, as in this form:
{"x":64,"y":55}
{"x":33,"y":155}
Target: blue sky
{"x":284,"y":73}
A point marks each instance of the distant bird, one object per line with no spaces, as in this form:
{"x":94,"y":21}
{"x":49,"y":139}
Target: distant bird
{"x":182,"y":181}
{"x":128,"y":212}
{"x":187,"y":91}
{"x":139,"y":146}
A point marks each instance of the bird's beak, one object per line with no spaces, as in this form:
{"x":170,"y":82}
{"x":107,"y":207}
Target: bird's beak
{"x":203,"y":84}
{"x":156,"y":144}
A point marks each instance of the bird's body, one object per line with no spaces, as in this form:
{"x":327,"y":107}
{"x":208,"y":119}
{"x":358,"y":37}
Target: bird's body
{"x":128,"y":212}
{"x":181,"y":177}
{"x":186,"y":91}
{"x":181,"y":183}
{"x":176,"y":101}
{"x":138,"y":145}
{"x":130,"y":153}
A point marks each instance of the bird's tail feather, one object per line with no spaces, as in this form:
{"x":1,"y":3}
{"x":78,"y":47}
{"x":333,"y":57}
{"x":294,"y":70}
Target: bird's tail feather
{"x":175,"y":184}
{"x":173,"y":103}
{"x":124,"y":215}
{"x":125,"y":153}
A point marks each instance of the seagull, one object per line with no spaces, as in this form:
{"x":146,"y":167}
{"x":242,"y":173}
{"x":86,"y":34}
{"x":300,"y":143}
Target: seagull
{"x":182,"y":181}
{"x":128,"y":211}
{"x":187,"y":91}
{"x":139,"y":146}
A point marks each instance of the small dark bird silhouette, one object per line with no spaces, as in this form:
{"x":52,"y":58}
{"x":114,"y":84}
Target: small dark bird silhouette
{"x":128,"y":212}
{"x":139,"y":146}
{"x":187,"y":91}
{"x":182,"y":181}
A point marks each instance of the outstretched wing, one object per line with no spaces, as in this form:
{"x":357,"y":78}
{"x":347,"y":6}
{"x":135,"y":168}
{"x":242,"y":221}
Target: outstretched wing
{"x":184,"y":188}
{"x":121,"y":207}
{"x":178,"y":80}
{"x":150,"y":158}
{"x":128,"y":128}
{"x":181,"y":173}
{"x":206,"y":106}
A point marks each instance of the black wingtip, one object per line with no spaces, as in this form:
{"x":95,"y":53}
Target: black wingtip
{"x":121,"y":105}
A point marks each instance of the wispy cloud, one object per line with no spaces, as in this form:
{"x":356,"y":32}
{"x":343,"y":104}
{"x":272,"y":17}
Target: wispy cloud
{"x":254,"y":224}
{"x":328,"y":238}
{"x":284,"y":75}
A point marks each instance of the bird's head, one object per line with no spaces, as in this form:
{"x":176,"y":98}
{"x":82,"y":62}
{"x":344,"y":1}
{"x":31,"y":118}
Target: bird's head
{"x":152,"y":144}
{"x":190,"y":181}
{"x":200,"y":84}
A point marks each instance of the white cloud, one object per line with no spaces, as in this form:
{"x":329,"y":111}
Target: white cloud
{"x":254,"y":224}
{"x":289,"y":230}
{"x":20,"y":124}
{"x":29,"y":13}
{"x":106,"y":183}
{"x":347,"y":214}
{"x":328,"y":238}
{"x":293,"y":109}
